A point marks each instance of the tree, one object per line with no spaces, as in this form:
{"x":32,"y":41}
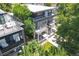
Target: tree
{"x":33,"y":48}
{"x":68,"y":29}
{"x":22,"y":12}
{"x":6,"y":7}
{"x":29,"y":28}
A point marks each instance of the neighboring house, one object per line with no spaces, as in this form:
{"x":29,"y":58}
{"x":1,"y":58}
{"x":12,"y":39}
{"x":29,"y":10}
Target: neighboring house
{"x":43,"y":17}
{"x":11,"y":34}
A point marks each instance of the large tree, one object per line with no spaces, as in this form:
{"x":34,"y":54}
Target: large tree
{"x":22,"y":12}
{"x":68,"y":18}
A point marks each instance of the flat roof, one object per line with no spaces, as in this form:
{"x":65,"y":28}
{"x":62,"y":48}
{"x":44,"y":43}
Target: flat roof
{"x":38,"y":8}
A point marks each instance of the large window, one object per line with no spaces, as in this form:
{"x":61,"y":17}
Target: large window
{"x":10,"y":40}
{"x":41,"y":24}
{"x":16,"y":37}
{"x":3,"y":43}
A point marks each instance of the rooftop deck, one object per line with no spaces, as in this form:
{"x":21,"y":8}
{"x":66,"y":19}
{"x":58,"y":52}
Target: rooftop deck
{"x":10,"y":25}
{"x":10,"y":30}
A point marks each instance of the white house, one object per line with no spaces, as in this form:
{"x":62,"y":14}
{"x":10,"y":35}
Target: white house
{"x":43,"y":17}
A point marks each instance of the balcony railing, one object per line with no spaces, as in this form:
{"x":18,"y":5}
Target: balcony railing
{"x":42,"y":18}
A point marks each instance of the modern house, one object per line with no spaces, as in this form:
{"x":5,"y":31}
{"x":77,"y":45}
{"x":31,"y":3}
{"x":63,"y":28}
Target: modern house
{"x":43,"y":17}
{"x":11,"y":34}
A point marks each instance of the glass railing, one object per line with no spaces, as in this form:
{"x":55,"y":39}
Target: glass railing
{"x":38,"y":17}
{"x":42,"y":18}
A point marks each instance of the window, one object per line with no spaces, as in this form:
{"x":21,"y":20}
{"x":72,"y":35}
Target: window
{"x":43,"y":23}
{"x":10,"y":40}
{"x":3,"y":43}
{"x":46,"y":13}
{"x":49,"y":12}
{"x":21,"y":36}
{"x":16,"y":37}
{"x":38,"y":15}
{"x":2,"y":20}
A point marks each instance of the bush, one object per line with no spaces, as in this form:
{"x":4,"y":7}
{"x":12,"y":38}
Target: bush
{"x":33,"y":48}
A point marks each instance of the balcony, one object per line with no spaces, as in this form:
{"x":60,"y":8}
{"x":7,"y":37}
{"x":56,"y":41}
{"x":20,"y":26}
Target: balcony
{"x":36,"y":19}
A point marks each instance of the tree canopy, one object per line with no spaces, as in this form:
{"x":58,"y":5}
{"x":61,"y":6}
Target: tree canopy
{"x":33,"y":48}
{"x":6,"y":7}
{"x":22,"y":12}
{"x":68,"y":18}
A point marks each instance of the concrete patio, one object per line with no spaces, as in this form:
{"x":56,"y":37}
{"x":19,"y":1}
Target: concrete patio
{"x":52,"y":39}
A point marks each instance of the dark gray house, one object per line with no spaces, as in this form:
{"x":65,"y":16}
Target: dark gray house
{"x":11,"y":34}
{"x":43,"y":17}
